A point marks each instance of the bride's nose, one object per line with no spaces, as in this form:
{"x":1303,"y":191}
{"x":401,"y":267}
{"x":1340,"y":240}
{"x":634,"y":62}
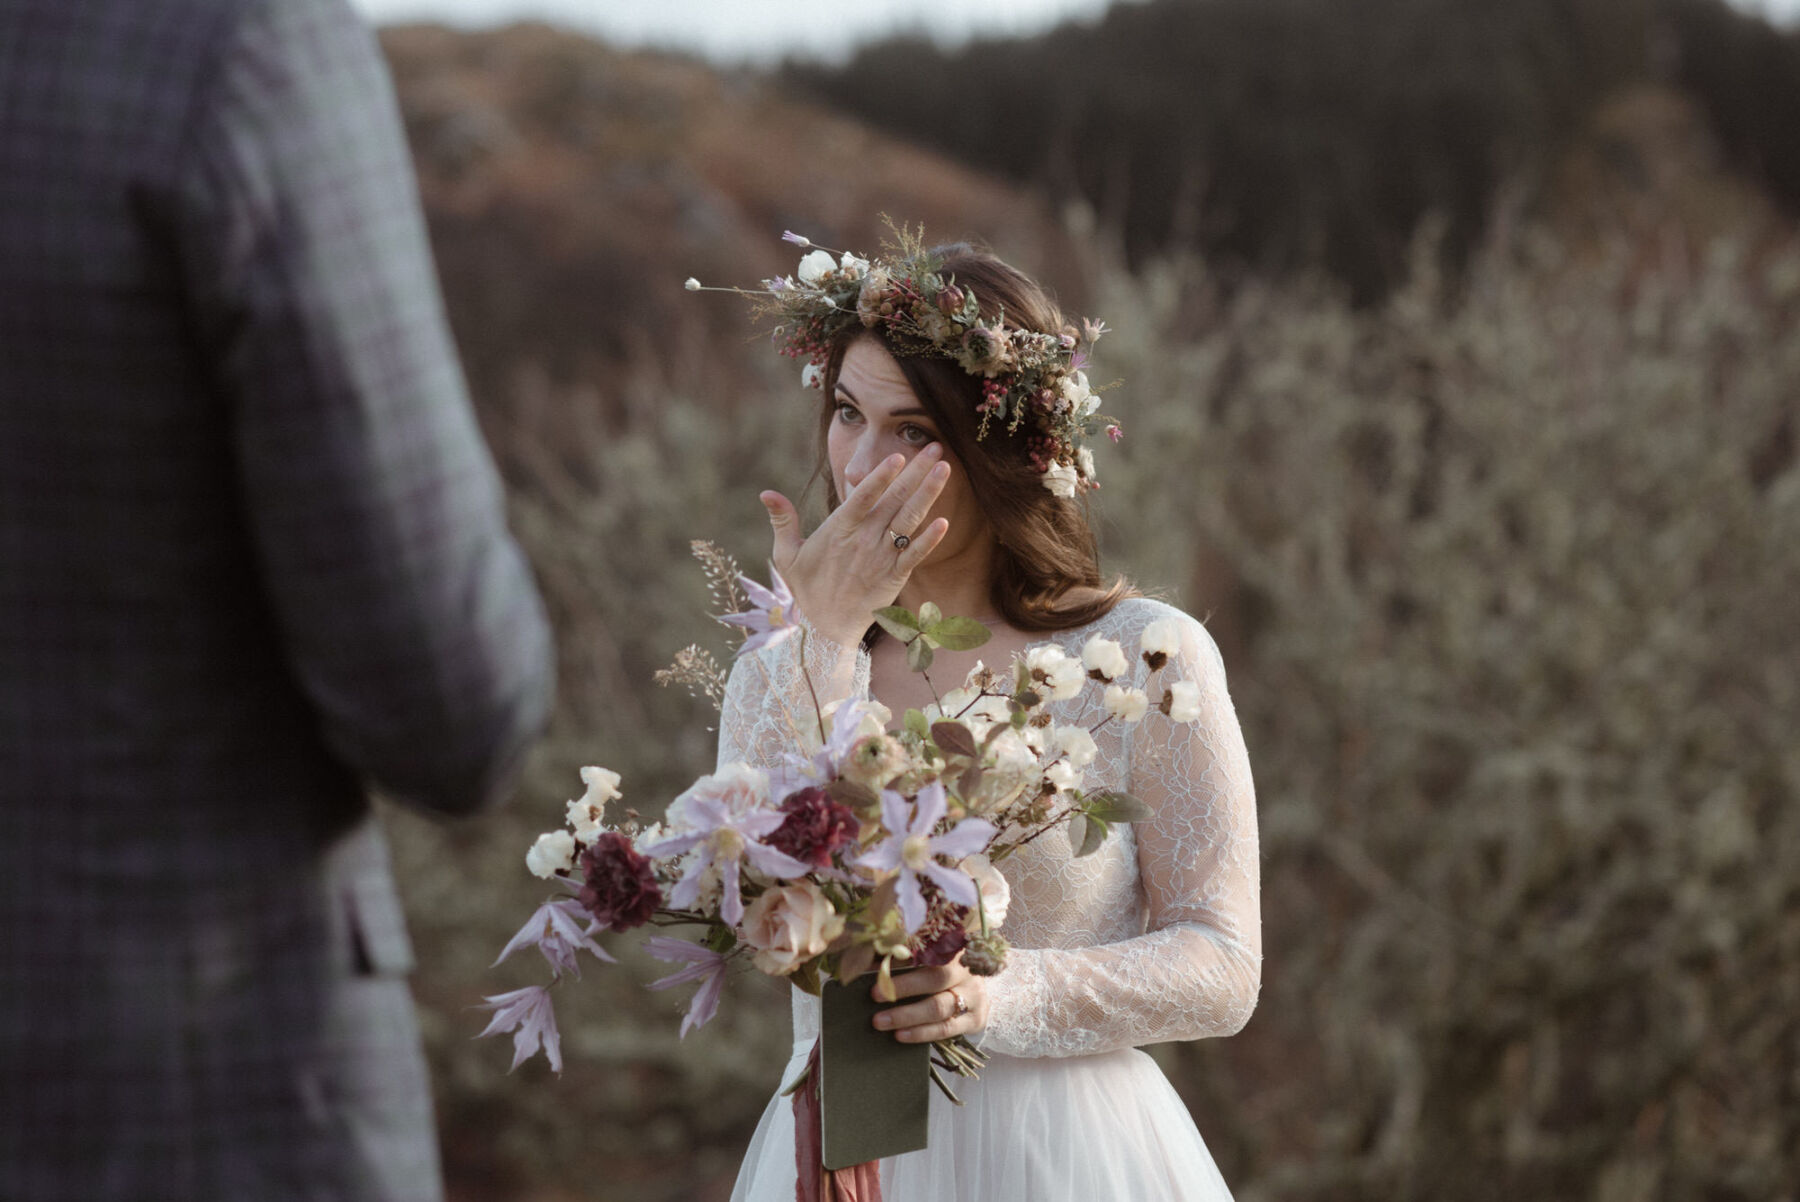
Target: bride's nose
{"x":862,"y":460}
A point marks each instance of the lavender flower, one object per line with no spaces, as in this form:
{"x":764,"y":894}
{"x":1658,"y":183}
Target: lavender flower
{"x":800,"y":240}
{"x":527,"y":1014}
{"x":554,"y":932}
{"x":705,"y":966}
{"x":724,"y":817}
{"x":773,"y":616}
{"x":912,"y":850}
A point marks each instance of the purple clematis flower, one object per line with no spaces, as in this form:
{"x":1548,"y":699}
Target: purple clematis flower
{"x":725,"y":817}
{"x":555,"y":933}
{"x":705,"y":966}
{"x":527,"y":1014}
{"x":772,"y":617}
{"x":913,"y":850}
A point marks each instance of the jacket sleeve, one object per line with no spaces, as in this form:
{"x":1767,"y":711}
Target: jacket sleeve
{"x":408,"y":613}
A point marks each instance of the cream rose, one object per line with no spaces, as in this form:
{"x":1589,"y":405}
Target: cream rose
{"x":996,"y":894}
{"x":789,"y":926}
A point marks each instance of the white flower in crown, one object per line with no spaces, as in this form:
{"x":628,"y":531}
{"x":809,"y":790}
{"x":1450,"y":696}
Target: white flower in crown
{"x":815,"y":266}
{"x":812,"y":376}
{"x":1061,"y":479}
{"x":852,"y":266}
{"x":1084,"y":463}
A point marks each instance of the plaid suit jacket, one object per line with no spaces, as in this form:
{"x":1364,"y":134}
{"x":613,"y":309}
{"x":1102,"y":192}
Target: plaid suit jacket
{"x":252,"y":559}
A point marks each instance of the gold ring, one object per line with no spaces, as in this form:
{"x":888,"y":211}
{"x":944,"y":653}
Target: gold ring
{"x":901,"y":541}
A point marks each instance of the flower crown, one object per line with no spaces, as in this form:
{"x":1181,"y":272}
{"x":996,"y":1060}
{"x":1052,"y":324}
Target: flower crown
{"x":1031,"y":381}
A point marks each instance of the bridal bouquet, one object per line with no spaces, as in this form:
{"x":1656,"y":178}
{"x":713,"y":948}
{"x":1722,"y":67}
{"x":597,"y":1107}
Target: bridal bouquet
{"x":871,"y":848}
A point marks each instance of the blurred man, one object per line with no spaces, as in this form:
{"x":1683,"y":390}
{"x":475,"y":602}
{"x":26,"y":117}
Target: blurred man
{"x":252,"y":558}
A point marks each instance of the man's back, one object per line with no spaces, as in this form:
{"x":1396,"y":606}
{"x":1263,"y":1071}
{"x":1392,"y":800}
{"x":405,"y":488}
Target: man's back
{"x":250,"y":555}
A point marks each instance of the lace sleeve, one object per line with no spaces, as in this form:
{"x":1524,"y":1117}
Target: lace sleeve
{"x":1197,"y":970}
{"x":768,"y":708}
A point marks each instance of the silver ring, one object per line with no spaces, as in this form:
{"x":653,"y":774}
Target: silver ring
{"x":901,"y":541}
{"x":962,"y":1007}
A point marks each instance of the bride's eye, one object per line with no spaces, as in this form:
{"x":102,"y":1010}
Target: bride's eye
{"x":846,"y":412}
{"x":916,"y":436}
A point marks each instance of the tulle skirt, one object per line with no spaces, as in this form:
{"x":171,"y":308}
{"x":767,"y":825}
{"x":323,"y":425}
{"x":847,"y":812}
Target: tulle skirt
{"x":1082,"y":1129}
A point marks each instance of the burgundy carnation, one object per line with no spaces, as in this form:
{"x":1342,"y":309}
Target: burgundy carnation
{"x":816,"y":827}
{"x":621,"y":890}
{"x":942,"y":936}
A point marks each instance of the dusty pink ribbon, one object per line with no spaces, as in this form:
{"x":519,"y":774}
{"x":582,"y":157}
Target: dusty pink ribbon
{"x":813,"y":1182}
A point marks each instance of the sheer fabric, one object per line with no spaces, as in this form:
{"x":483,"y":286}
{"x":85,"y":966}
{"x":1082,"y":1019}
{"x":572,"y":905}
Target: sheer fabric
{"x":1155,"y":937}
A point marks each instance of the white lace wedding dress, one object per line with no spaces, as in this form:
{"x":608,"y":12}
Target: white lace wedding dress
{"x":1155,"y":937}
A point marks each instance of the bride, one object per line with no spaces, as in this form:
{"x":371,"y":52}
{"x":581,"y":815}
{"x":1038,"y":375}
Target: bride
{"x":1156,"y":936}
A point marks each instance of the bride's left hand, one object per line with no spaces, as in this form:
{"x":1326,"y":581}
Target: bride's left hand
{"x":933,"y":1016}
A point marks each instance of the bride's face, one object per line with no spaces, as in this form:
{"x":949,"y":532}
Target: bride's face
{"x":875,"y":414}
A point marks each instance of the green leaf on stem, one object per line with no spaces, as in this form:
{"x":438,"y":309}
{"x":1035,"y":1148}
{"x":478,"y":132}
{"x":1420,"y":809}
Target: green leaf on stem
{"x":918,"y":653}
{"x":898,"y":621}
{"x":929,"y":615}
{"x":953,"y":738}
{"x":1086,"y":834}
{"x":915,"y":723}
{"x":1115,"y":807}
{"x":957,"y":634}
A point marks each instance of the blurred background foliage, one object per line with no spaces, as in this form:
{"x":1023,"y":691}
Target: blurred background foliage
{"x":1459,"y":349}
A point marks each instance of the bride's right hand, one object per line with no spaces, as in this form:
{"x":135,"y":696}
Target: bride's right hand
{"x":849,"y":567}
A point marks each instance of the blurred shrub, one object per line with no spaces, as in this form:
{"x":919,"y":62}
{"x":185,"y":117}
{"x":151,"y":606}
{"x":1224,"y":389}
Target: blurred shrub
{"x":1512,"y":576}
{"x":1504,"y":575}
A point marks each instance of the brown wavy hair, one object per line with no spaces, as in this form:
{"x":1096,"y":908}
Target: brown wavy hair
{"x":1047,"y":575}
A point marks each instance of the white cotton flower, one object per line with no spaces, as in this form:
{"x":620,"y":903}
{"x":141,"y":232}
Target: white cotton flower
{"x":1011,"y":753}
{"x":602,"y":786}
{"x":1036,"y":737}
{"x":1128,"y":705}
{"x":854,"y":266}
{"x":1084,"y":463}
{"x":1061,"y":479}
{"x":1077,"y":744}
{"x":1064,"y":775}
{"x":815,"y":265}
{"x":1105,"y":657}
{"x":1062,"y":674}
{"x":584,"y":820}
{"x":812,"y":376}
{"x":1161,"y":637}
{"x":1184,"y":701}
{"x":553,"y":852}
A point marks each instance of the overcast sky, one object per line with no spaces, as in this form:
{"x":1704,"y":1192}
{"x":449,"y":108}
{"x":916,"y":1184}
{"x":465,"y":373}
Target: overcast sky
{"x":762,"y":31}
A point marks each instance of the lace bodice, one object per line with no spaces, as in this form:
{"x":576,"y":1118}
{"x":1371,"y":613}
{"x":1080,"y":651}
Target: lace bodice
{"x":1155,"y":937}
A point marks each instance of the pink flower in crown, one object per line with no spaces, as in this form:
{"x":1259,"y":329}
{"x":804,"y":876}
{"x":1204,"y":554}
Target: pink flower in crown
{"x":725,"y":819}
{"x":913,"y":850}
